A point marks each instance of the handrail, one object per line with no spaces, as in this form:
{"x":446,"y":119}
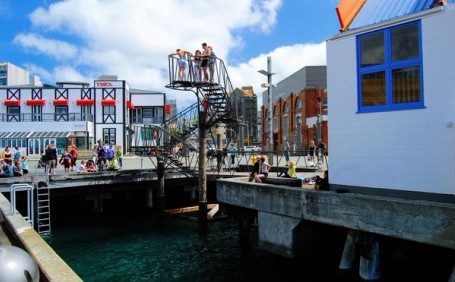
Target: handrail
{"x":29,"y":217}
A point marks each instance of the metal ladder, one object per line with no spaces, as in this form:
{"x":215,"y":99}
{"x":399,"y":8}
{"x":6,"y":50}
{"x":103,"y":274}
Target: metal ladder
{"x":43,"y":207}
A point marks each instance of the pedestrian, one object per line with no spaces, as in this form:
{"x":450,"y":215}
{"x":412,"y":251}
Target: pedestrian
{"x":233,"y":151}
{"x":73,"y":154}
{"x":24,"y":161}
{"x":8,"y":156}
{"x":321,"y":150}
{"x":110,"y":154}
{"x":51,"y":158}
{"x":17,"y":154}
{"x":311,"y":152}
{"x":287,"y":152}
{"x":65,"y":160}
{"x":119,"y":155}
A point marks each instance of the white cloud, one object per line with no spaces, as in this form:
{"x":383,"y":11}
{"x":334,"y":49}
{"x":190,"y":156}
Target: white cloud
{"x":132,"y":39}
{"x":57,"y":49}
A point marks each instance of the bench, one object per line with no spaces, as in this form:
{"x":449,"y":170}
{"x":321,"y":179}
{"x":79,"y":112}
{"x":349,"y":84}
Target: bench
{"x":293,"y":182}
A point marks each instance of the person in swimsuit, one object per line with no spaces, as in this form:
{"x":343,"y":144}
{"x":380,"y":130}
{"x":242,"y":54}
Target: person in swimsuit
{"x":182,"y":62}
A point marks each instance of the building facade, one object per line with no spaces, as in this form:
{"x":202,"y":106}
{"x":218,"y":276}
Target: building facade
{"x":75,"y":113}
{"x":11,"y":74}
{"x":391,"y":86}
{"x":247,"y":111}
{"x":299,"y":110}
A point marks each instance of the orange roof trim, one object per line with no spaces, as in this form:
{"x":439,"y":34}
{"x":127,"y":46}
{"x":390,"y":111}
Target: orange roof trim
{"x":347,"y":10}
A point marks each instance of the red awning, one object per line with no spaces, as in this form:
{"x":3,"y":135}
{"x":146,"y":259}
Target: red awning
{"x":130,"y":105}
{"x":61,"y":102}
{"x":85,"y":102}
{"x":108,"y":102}
{"x":35,"y":102}
{"x":12,"y":102}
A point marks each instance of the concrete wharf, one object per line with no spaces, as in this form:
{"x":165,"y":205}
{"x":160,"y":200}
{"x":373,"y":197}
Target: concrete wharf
{"x":286,"y":215}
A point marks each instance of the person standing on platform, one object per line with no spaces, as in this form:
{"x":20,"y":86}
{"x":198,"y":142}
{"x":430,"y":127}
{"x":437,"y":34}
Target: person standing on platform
{"x":119,"y":155}
{"x":73,"y":154}
{"x":182,"y":62}
{"x":17,"y":155}
{"x":51,"y":158}
{"x":287,"y":151}
{"x":233,"y":151}
{"x":24,"y":165}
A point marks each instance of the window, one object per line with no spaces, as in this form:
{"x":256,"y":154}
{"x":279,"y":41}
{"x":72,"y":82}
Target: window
{"x":390,"y":69}
{"x":37,"y":113}
{"x":109,"y":136}
{"x":61,"y":113}
{"x":298,"y":103}
{"x":14,"y":113}
{"x":109,"y":114}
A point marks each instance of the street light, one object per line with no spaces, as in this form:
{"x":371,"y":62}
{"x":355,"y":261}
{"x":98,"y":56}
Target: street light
{"x":299,"y":133}
{"x":269,"y":86}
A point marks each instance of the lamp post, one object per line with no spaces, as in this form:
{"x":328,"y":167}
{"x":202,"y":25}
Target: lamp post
{"x":318,"y":123}
{"x":269,"y":86}
{"x":299,"y":133}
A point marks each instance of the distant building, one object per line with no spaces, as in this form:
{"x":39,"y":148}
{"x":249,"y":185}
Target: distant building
{"x":11,"y":74}
{"x":32,"y":117}
{"x":173,"y":108}
{"x":299,"y":109}
{"x":247,"y":110}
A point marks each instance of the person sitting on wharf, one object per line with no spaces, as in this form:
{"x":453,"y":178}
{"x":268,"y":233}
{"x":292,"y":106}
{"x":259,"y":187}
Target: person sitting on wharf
{"x":114,"y":164}
{"x":91,"y":166}
{"x":255,"y":174}
{"x":7,"y":170}
{"x":81,"y":167}
{"x":265,"y":167}
{"x":290,"y":172}
{"x":322,"y":183}
{"x":17,"y":168}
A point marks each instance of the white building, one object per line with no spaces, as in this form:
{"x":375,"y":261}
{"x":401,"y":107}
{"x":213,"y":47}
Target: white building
{"x":391,"y":81}
{"x":74,"y":113}
{"x":11,"y":74}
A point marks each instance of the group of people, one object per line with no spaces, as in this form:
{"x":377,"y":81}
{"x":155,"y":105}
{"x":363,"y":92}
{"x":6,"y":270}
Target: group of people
{"x":202,"y":63}
{"x":260,"y":170}
{"x":13,"y":163}
{"x":106,"y":158}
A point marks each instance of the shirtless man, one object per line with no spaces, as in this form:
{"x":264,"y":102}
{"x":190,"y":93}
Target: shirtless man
{"x":182,"y":62}
{"x":205,"y":61}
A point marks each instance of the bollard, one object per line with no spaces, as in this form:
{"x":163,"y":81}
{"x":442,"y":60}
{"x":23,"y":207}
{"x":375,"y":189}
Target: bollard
{"x":142,"y":163}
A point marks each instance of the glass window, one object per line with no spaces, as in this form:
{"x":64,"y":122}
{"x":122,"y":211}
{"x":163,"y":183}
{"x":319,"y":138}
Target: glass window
{"x":405,"y":42}
{"x":390,"y":69}
{"x":14,"y":113}
{"x":372,"y":49}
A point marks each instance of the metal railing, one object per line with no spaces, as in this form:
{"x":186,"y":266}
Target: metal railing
{"x":48,"y":117}
{"x":29,"y":217}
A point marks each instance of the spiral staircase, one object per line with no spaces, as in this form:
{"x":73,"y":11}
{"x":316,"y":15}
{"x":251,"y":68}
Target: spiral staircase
{"x":213,"y":96}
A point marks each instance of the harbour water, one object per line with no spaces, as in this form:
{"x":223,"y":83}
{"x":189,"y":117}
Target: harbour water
{"x":137,"y":247}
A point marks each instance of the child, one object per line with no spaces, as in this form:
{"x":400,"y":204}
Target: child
{"x":65,"y":160}
{"x":91,"y":166}
{"x":81,"y":167}
{"x":24,"y":165}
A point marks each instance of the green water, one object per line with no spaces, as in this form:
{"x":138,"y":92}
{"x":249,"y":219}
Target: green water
{"x":138,"y":248}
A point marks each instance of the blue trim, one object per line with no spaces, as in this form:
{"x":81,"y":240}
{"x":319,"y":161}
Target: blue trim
{"x":388,"y":67}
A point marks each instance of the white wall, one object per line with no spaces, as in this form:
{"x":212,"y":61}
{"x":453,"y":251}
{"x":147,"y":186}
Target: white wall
{"x":410,"y":150}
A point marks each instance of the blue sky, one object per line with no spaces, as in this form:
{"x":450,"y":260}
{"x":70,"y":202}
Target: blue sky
{"x":78,"y":40}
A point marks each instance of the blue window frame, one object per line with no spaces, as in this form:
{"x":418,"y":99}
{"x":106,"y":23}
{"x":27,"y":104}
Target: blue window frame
{"x":390,"y":70}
